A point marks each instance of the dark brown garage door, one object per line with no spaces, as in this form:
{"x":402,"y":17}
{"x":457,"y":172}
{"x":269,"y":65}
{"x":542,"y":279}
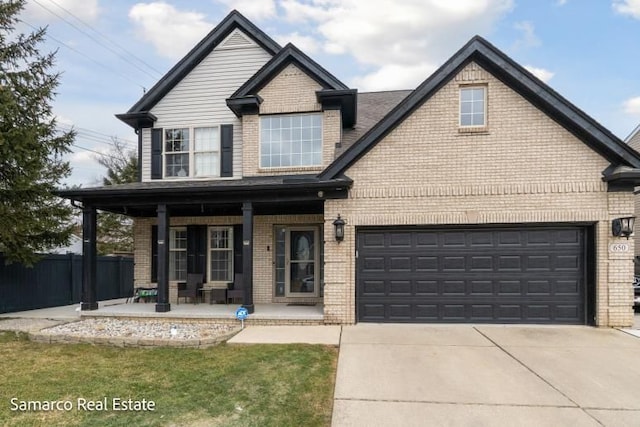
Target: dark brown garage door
{"x":484,"y":275}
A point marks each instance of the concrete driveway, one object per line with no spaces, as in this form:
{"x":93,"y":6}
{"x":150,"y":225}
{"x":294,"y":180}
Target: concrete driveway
{"x":414,"y":375}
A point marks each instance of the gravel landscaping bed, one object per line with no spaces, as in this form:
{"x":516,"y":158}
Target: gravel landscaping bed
{"x":145,"y":329}
{"x":124,"y":332}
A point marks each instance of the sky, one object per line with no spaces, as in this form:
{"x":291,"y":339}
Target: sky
{"x":110,"y":51}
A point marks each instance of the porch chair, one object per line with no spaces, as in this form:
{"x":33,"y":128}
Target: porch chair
{"x":191,"y":288}
{"x":236,"y":289}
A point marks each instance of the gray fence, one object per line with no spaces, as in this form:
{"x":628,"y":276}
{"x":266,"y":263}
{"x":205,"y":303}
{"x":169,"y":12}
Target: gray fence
{"x":57,"y":280}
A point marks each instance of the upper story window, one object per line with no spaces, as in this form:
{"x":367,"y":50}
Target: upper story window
{"x":291,"y":140}
{"x":473,"y":106}
{"x":192,"y":152}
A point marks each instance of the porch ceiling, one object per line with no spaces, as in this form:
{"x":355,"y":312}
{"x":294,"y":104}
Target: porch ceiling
{"x":269,"y":195}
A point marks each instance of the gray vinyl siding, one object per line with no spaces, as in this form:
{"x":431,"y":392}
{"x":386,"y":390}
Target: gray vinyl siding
{"x":146,"y":155}
{"x":200,"y":98}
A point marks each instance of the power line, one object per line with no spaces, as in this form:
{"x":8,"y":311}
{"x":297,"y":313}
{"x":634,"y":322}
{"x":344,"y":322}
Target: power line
{"x":132,"y":55}
{"x":95,"y":134}
{"x":96,"y":152}
{"x":86,"y":56}
{"x":93,"y":38}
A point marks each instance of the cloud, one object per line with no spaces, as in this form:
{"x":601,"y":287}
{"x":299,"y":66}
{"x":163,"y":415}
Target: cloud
{"x":632,"y":106}
{"x":391,"y":37}
{"x":394,"y":76}
{"x":627,"y":7}
{"x":561,"y":2}
{"x":541,"y":73}
{"x":86,"y":10}
{"x":172,"y":32}
{"x":252,"y":9}
{"x":528,"y":37}
{"x":307,"y":44}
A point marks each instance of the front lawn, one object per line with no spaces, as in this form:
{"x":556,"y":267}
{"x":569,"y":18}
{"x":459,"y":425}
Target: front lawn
{"x":257,"y":385}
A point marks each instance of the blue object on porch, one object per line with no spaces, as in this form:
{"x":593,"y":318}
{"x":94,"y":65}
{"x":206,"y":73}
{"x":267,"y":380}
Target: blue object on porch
{"x":242,"y":313}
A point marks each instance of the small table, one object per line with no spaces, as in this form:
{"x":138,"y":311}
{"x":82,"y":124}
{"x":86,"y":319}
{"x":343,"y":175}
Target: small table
{"x":217,"y":294}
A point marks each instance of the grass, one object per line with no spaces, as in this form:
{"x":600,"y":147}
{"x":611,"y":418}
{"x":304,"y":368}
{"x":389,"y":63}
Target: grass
{"x":257,"y":385}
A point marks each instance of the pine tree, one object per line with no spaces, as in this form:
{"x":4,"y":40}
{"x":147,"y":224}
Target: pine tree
{"x":115,"y":231}
{"x":32,"y":218}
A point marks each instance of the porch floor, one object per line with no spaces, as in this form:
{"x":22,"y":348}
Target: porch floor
{"x":263,"y":312}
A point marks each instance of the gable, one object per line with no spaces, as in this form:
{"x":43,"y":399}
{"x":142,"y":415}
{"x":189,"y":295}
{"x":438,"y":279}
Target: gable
{"x":634,"y":139}
{"x":226,"y":33}
{"x":291,"y":91}
{"x":200,"y":95}
{"x":522,"y":150}
{"x":518,"y":79}
{"x":237,"y":39}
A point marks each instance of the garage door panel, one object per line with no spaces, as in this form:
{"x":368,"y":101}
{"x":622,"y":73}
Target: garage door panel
{"x":567,"y":263}
{"x":509,"y":287}
{"x":454,"y":239}
{"x":567,"y":312}
{"x":372,"y":240}
{"x":567,"y":287}
{"x":480,"y":263}
{"x":453,"y":312}
{"x":539,"y":287}
{"x":373,"y":264}
{"x":501,"y":275}
{"x":399,"y":240}
{"x":481,"y":287}
{"x":373,"y":288}
{"x":399,"y":264}
{"x":426,"y":287}
{"x":509,"y":263}
{"x":426,"y":263}
{"x":452,"y":263}
{"x":481,"y":239}
{"x":400,"y":288}
{"x":399,"y":312}
{"x":426,"y":239}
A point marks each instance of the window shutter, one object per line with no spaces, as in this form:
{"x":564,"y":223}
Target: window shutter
{"x":197,"y":249}
{"x":154,"y":253}
{"x":226,"y":150}
{"x":156,"y":153}
{"x":237,"y":248}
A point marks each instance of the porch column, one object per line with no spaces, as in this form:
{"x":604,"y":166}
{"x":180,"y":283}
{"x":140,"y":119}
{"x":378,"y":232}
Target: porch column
{"x":247,"y":254}
{"x":89,"y":287}
{"x":163,"y":305}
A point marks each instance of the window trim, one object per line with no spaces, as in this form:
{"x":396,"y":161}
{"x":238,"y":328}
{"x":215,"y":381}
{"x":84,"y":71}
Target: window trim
{"x":485,"y":90}
{"x":191,"y":152}
{"x":291,"y":167}
{"x":230,"y":249}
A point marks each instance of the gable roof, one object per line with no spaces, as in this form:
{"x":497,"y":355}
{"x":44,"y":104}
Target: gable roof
{"x":517,"y":78}
{"x":633,"y":140}
{"x":372,"y":107}
{"x":288,"y":55}
{"x":334,"y":93}
{"x":232,"y":21}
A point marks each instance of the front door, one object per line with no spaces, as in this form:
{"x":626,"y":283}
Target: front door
{"x":302,"y":255}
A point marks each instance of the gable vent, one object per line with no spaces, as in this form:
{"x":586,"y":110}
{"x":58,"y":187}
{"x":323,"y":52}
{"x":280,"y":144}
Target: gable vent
{"x":235,"y":40}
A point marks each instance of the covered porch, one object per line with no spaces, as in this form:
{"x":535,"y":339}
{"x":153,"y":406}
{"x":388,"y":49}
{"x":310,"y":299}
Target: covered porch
{"x":257,"y":219}
{"x":265,"y":314}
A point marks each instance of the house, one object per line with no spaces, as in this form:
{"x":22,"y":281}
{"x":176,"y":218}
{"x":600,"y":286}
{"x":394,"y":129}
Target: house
{"x":481,"y":196}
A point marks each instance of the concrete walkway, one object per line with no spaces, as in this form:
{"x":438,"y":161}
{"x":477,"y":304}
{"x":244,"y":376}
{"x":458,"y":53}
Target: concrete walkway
{"x":414,"y":375}
{"x":326,"y":335}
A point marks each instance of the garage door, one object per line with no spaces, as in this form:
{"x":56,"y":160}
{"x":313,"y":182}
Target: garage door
{"x":496,"y":275}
